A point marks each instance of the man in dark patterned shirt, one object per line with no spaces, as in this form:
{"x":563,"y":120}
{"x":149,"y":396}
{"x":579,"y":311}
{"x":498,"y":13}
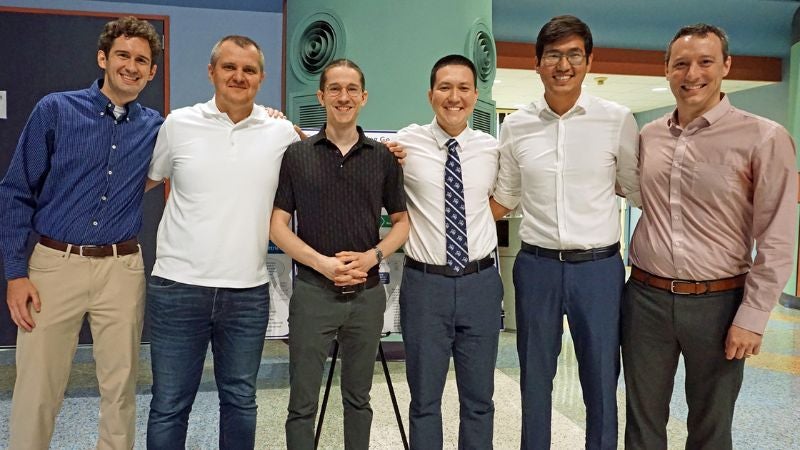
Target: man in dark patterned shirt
{"x":77,"y":179}
{"x":336,"y":182}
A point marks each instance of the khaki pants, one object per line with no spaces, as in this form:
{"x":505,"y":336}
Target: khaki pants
{"x":111,"y":292}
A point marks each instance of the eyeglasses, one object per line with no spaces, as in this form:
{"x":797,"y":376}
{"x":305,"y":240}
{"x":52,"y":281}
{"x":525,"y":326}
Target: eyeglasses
{"x":335,"y":90}
{"x":553,"y":58}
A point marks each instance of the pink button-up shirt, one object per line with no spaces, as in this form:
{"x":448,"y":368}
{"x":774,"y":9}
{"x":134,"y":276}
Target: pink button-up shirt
{"x":708,"y":191}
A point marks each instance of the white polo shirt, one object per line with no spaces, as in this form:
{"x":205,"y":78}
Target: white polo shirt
{"x":423,"y":173}
{"x":223,"y":178}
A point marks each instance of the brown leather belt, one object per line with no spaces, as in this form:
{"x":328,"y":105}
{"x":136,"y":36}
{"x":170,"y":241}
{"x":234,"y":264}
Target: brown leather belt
{"x":688,"y":287}
{"x":128,"y":247}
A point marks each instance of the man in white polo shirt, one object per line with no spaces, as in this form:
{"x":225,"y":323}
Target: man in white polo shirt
{"x":210,"y":281}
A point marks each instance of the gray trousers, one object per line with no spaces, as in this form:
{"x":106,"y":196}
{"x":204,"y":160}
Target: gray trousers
{"x":657,"y":327}
{"x":316,"y":316}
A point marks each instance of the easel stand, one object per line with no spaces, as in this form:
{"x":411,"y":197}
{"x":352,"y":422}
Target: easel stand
{"x":388,"y":382}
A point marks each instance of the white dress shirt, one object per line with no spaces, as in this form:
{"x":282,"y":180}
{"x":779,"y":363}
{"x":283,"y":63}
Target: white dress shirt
{"x":223,"y":178}
{"x":424,"y":182}
{"x":564,"y":169}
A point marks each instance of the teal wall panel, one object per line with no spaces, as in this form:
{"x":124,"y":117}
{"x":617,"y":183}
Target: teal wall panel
{"x":396,"y":44}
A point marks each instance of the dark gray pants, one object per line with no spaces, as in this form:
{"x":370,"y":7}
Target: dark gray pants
{"x":657,"y":327}
{"x":316,"y":316}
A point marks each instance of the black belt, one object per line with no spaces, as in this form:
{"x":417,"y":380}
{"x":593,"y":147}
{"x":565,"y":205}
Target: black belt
{"x":312,"y":276}
{"x":573,"y":256}
{"x":471,"y":267}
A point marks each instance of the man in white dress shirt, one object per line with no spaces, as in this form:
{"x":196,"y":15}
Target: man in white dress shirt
{"x":451,"y":291}
{"x":562,"y":157}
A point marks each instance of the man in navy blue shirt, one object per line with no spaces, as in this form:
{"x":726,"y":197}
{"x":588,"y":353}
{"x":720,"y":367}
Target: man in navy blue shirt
{"x":77,"y":179}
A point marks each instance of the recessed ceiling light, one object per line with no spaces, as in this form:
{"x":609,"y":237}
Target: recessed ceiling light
{"x":659,"y":89}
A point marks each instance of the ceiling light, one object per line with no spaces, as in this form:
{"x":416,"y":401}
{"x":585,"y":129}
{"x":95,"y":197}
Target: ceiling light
{"x":659,"y":89}
{"x":496,"y":81}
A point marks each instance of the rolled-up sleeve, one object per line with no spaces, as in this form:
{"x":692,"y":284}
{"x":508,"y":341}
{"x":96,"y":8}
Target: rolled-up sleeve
{"x":628,"y":161}
{"x":507,"y":189}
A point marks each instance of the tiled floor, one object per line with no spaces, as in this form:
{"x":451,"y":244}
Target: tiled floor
{"x":767,"y":414}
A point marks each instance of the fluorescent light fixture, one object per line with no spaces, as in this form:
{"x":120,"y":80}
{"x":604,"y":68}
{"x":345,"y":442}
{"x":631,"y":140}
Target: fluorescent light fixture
{"x":659,"y":89}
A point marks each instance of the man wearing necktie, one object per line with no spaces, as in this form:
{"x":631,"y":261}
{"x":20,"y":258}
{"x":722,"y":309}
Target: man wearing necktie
{"x":561,"y":158}
{"x":451,"y":291}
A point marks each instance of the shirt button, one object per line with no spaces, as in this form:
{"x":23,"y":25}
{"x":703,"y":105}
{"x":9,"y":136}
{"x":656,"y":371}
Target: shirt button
{"x":94,"y":223}
{"x":110,"y":172}
{"x":104,"y":198}
{"x":675,"y":217}
{"x":102,"y":114}
{"x":675,"y":165}
{"x":677,"y":244}
{"x":113,"y":147}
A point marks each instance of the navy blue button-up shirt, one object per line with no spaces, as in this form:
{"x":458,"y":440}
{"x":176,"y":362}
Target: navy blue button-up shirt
{"x":77,"y":174}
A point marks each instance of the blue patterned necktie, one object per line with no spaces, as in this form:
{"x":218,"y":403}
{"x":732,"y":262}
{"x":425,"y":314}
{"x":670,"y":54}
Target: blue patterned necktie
{"x":455,"y":223}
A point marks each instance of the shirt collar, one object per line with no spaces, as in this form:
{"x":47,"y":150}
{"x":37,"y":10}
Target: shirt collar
{"x":442,"y":137}
{"x":708,"y":118}
{"x":323,"y":137}
{"x":104,"y":104}
{"x":542,"y":109}
{"x":209,"y":108}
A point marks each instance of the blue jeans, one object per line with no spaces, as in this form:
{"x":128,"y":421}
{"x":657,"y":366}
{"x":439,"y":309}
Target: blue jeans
{"x":590,"y":294}
{"x":183,"y":319}
{"x":443,"y":317}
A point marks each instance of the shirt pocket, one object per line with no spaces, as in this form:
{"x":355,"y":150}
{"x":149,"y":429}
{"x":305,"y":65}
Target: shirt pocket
{"x":715,"y":182}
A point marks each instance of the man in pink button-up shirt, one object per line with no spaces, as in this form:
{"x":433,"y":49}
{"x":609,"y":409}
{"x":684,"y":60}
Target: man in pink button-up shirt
{"x":714,"y":180}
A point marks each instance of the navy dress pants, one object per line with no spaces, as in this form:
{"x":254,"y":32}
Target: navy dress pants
{"x":590,"y":294}
{"x":451,"y":316}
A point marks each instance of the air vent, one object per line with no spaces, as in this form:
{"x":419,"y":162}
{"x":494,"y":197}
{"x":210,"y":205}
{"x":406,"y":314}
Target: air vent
{"x":305,"y":111}
{"x":317,"y":40}
{"x":317,"y":46}
{"x":310,"y":116}
{"x":483,"y":55}
{"x":483,"y":117}
{"x":481,"y":50}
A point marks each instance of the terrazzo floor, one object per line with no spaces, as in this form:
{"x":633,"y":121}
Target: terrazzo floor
{"x":767,"y":413}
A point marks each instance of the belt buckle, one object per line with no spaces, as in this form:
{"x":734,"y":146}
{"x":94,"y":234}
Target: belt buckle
{"x":561,"y":255}
{"x":81,"y":247}
{"x":696,"y":283}
{"x":346,"y":290}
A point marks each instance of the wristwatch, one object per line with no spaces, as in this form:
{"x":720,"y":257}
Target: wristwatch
{"x":378,"y":254}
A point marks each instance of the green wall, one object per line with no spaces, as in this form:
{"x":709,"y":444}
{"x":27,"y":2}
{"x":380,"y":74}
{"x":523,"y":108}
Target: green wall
{"x":396,"y":44}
